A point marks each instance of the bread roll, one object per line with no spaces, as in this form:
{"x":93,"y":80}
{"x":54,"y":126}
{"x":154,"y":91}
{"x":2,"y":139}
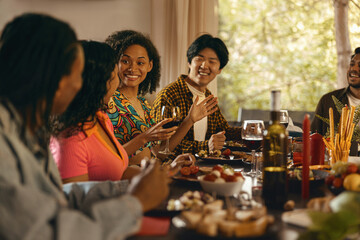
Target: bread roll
{"x":227,"y":228}
{"x":208,"y":226}
{"x":213,"y":206}
{"x":192,"y":218}
{"x":321,"y":204}
{"x":247,"y":215}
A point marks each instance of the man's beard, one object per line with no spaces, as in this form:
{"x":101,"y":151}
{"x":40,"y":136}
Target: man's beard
{"x":357,"y":86}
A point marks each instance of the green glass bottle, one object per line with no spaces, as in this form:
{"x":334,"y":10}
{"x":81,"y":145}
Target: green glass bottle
{"x":275,"y":150}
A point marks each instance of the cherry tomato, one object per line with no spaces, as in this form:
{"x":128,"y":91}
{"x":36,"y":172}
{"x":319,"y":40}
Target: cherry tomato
{"x":231,"y":178}
{"x":210,"y":177}
{"x":226,"y":152}
{"x":223,"y":175}
{"x":337,"y":183}
{"x":238,"y":174}
{"x":352,"y":168}
{"x":329,"y":180}
{"x":194,"y":169}
{"x":185,"y":171}
{"x":219,"y":168}
{"x":343,"y":175}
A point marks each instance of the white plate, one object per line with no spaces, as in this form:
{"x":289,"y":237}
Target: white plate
{"x":354,"y":159}
{"x":222,"y":189}
{"x":220,"y":159}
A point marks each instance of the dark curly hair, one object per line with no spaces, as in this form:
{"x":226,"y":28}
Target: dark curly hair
{"x":121,"y":40}
{"x":100,"y":61}
{"x":208,"y":41}
{"x":356,"y":51}
{"x":36,"y":51}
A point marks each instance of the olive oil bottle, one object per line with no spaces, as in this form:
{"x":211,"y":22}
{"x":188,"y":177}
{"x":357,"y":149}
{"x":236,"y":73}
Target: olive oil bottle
{"x":275,"y":150}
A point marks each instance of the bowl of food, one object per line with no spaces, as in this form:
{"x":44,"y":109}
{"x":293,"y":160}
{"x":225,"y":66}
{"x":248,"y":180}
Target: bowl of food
{"x":222,"y":181}
{"x":343,"y":176}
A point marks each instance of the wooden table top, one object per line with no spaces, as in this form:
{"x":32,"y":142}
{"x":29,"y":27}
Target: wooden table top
{"x":279,"y":230}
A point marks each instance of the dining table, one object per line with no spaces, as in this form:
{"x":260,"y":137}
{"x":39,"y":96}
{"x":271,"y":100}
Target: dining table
{"x":277,"y":230}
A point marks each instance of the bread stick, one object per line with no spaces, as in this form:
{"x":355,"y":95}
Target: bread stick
{"x":331,"y":118}
{"x":342,"y":123}
{"x":351,"y":117}
{"x":340,"y":146}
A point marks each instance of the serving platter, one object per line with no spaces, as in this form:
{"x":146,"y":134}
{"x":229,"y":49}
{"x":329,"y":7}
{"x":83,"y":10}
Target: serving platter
{"x":318,"y":181}
{"x":189,"y":178}
{"x":235,"y":146}
{"x":221,"y":159}
{"x":187,"y":201}
{"x":190,"y":234}
{"x":192,"y":177}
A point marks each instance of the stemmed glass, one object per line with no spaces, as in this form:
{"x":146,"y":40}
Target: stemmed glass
{"x":174,"y":113}
{"x":284,"y":118}
{"x":252,"y":135}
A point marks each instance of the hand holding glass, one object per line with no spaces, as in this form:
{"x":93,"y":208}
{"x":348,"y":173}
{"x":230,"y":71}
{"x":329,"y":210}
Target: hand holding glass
{"x":174,"y":113}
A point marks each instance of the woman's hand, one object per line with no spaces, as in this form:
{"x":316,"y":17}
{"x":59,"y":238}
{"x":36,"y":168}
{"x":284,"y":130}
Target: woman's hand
{"x":180,"y":161}
{"x":150,"y":187}
{"x":185,"y":159}
{"x":130,"y":172}
{"x":158,"y":133}
{"x":199,"y":110}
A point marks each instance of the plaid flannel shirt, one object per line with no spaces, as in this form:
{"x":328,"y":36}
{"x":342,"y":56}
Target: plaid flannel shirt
{"x":178,"y":94}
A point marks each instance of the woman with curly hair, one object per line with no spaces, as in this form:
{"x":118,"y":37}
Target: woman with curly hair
{"x":139,"y":73}
{"x":42,"y":61}
{"x":85,"y":147}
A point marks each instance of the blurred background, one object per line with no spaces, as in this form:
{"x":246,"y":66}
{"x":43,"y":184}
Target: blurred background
{"x":302,"y":47}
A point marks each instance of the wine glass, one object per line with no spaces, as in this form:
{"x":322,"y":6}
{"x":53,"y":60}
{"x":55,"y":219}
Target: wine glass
{"x":252,"y":135}
{"x":174,"y":113}
{"x":284,"y":118}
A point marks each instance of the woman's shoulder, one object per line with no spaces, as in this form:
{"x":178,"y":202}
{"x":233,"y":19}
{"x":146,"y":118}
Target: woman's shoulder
{"x":74,"y":144}
{"x":118,"y":97}
{"x":65,"y":139}
{"x":118,"y":105}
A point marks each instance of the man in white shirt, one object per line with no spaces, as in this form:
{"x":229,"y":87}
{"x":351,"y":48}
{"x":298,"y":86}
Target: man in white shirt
{"x":206,"y":56}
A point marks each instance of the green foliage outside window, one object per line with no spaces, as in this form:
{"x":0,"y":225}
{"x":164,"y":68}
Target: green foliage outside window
{"x":279,"y":44}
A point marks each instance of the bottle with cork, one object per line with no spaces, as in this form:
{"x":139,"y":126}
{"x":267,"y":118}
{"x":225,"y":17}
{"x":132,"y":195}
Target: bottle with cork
{"x":275,"y":150}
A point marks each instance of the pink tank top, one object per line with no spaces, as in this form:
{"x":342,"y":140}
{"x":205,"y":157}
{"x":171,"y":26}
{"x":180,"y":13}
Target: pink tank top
{"x":88,"y":153}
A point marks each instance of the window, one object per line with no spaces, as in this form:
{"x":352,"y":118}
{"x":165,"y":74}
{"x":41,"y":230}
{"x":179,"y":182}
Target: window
{"x":279,"y":44}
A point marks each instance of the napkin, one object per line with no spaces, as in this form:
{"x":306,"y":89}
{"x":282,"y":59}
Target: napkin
{"x":298,"y":217}
{"x":154,"y":226}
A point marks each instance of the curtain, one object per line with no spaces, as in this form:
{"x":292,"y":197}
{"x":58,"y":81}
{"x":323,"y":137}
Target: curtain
{"x":175,"y":24}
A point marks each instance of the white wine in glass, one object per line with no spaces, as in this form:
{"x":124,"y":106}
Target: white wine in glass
{"x":174,"y":113}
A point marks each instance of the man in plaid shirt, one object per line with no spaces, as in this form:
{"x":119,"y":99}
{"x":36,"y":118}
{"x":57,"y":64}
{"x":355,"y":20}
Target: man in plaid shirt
{"x":207,"y":56}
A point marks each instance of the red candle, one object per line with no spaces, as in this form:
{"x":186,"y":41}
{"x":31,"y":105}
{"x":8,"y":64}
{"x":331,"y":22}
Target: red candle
{"x":317,"y":149}
{"x":306,"y":157}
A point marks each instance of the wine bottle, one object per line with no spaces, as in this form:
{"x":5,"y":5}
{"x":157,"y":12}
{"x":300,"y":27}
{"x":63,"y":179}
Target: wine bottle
{"x":275,"y":150}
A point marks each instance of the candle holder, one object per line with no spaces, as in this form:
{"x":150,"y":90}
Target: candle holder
{"x":340,"y":142}
{"x":338,"y":156}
